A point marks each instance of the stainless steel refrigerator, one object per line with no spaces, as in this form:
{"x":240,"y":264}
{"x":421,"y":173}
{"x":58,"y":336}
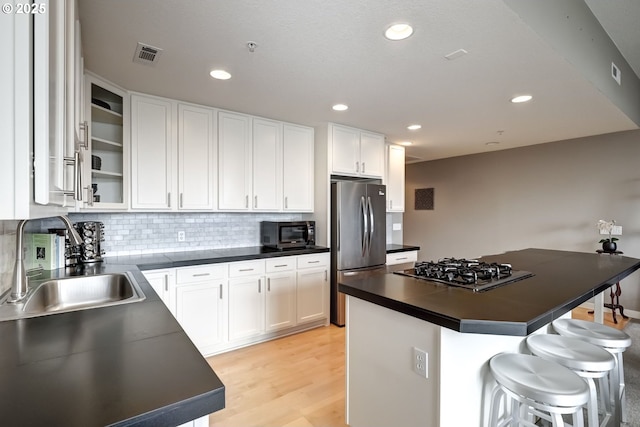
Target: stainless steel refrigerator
{"x":358,"y":237}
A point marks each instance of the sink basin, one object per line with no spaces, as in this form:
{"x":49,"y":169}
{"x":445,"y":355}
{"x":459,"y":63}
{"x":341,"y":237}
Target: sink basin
{"x":76,"y":293}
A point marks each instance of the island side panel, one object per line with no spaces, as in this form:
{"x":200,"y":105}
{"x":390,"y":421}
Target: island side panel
{"x":382,"y":387}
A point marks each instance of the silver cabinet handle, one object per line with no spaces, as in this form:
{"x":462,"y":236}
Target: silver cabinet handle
{"x":246,"y":201}
{"x":357,"y":167}
{"x":246,"y":269}
{"x":363,"y":167}
{"x":200,"y":274}
{"x":169,"y":200}
{"x":84,"y":127}
{"x":286,"y":202}
{"x":181,"y":204}
{"x":313,"y":262}
{"x":255,"y":201}
{"x":166,"y":284}
{"x":325,"y":275}
{"x":220,"y":291}
{"x":279,"y":265}
{"x":269,"y":284}
{"x":401,"y":258}
{"x":74,"y":161}
{"x":259,"y":285}
{"x":89,"y":195}
{"x":390,"y":204}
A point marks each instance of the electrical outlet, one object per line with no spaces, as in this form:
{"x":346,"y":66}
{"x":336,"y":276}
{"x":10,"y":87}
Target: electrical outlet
{"x":397,"y":226}
{"x":420,"y":362}
{"x":181,"y":236}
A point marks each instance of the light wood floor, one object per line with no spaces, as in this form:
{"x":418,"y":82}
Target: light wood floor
{"x":296,"y":381}
{"x":583,"y":313}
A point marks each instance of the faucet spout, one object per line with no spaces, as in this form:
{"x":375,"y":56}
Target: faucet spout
{"x":19,"y":286}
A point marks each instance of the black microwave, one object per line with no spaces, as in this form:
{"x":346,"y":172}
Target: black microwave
{"x":288,"y":234}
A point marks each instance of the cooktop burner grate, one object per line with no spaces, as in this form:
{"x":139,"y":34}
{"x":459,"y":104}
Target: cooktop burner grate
{"x":471,"y":274}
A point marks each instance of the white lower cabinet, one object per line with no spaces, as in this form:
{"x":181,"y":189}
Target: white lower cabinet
{"x":228,"y":305}
{"x":280,"y":297}
{"x":312,"y":295}
{"x":201,"y":307}
{"x":246,"y":307}
{"x":163,"y":282}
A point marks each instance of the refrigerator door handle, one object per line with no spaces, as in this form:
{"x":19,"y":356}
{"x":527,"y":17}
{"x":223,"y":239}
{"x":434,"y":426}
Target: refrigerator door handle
{"x":371,"y":217}
{"x":365,"y":224}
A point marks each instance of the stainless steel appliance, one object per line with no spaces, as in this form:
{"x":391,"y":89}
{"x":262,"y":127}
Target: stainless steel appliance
{"x":288,"y":234}
{"x":470,"y":274}
{"x":358,"y":237}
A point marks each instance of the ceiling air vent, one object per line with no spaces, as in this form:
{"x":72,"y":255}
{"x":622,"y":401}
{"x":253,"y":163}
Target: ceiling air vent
{"x":146,"y":54}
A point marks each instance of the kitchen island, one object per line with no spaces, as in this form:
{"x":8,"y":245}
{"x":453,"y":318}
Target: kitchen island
{"x":391,"y":315}
{"x":124,"y":365}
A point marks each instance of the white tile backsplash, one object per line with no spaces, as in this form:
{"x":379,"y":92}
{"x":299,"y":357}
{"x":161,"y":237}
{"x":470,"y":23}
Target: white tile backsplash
{"x":140,"y":233}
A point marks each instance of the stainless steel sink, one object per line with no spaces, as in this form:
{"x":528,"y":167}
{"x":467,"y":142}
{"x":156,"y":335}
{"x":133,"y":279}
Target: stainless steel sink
{"x":75,"y":293}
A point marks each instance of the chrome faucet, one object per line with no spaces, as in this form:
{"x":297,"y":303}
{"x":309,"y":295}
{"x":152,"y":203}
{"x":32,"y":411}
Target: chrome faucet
{"x":19,"y":286}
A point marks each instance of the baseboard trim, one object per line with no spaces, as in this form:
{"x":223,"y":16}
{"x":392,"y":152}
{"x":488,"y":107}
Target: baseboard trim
{"x":630,"y":313}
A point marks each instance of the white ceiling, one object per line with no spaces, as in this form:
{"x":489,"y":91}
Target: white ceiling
{"x":312,"y":54}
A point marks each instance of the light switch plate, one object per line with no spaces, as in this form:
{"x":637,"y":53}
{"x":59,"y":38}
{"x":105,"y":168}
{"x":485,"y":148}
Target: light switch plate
{"x":397,"y":226}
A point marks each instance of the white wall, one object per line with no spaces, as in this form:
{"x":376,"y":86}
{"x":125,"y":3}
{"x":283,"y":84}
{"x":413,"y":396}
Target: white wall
{"x":543,"y":196}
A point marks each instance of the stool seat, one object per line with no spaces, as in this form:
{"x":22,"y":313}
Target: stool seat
{"x":539,"y":379}
{"x":595,"y":333}
{"x":571,"y":352}
{"x":588,"y":360}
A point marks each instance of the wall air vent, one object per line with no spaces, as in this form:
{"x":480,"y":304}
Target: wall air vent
{"x":146,"y":54}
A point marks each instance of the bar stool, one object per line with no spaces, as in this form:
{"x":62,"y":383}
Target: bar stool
{"x":530,"y":385}
{"x":587,"y":360}
{"x":612,"y":340}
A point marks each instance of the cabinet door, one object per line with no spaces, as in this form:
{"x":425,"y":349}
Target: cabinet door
{"x":163,"y":282}
{"x":246,"y":307}
{"x":395,"y":178}
{"x":312,"y":294}
{"x":280,"y":300}
{"x":199,"y":310}
{"x":152,"y":141}
{"x":345,"y":150}
{"x":298,"y":168}
{"x":267,"y":165}
{"x":196,"y":158}
{"x":371,"y":154}
{"x":234,"y":161}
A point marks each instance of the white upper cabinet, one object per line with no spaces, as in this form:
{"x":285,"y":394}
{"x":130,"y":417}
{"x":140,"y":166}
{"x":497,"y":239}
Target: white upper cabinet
{"x":152,"y":153}
{"x":196,"y":154}
{"x":37,"y":110}
{"x":297,"y":168}
{"x":234,"y":161}
{"x":267,"y":165}
{"x":394,"y":178}
{"x":355,"y":152}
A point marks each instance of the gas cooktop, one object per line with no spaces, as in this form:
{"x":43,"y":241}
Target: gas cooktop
{"x":469,"y":274}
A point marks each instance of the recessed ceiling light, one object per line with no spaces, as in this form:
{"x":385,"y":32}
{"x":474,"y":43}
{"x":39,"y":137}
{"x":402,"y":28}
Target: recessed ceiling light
{"x":405,"y":143}
{"x":220,"y":74}
{"x":398,"y":31}
{"x":414,"y":127}
{"x":340,"y":107}
{"x":521,"y":98}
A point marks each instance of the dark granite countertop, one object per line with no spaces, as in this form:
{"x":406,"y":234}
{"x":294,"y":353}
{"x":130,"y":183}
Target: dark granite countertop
{"x":393,"y":248}
{"x":562,"y":280}
{"x":124,"y":365}
{"x":213,"y":256}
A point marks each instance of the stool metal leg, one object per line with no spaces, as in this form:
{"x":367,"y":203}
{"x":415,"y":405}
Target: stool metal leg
{"x":623,"y":400}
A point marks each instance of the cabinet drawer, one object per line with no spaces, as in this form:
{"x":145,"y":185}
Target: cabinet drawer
{"x":280,"y":264}
{"x":314,"y":260}
{"x":200,"y":273}
{"x":246,"y":268}
{"x":402,"y":257}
